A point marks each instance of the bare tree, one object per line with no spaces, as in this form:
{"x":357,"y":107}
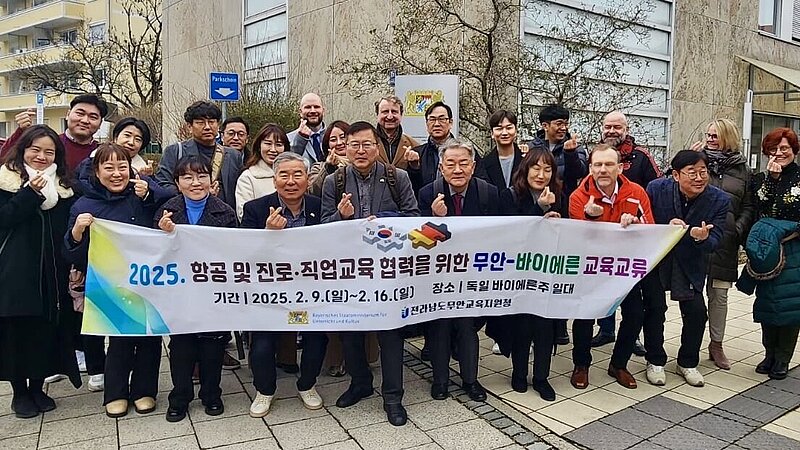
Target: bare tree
{"x":124,"y":65}
{"x":572,"y":58}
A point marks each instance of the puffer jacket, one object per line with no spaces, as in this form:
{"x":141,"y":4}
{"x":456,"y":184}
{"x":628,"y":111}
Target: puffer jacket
{"x":735,"y":179}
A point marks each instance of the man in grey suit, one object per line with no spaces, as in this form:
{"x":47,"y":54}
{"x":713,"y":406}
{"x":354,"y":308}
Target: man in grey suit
{"x":203,"y":118}
{"x":370,"y":189}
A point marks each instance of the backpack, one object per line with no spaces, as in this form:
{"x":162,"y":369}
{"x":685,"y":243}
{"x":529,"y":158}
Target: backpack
{"x":483,"y":192}
{"x":391,"y":180}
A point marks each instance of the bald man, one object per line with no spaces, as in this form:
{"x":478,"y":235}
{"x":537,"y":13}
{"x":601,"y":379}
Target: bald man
{"x":306,"y":140}
{"x":638,"y":164}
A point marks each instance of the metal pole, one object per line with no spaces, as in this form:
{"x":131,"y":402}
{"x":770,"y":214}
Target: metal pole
{"x":224,"y":111}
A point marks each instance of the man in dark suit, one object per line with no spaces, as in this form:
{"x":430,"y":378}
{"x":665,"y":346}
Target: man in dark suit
{"x":499,"y":165}
{"x":367,"y":188}
{"x":457,"y":194}
{"x":288,"y":207}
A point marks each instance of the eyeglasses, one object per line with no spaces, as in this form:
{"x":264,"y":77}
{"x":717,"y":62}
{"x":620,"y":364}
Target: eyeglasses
{"x":433,"y":120}
{"x":560,"y":123}
{"x":205,"y":122}
{"x":701,"y":174}
{"x":781,"y":149}
{"x":202,"y":177}
{"x":712,"y":135}
{"x":240,"y":134}
{"x":366,"y":145}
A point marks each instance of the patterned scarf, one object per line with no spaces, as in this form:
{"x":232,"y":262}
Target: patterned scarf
{"x":720,"y":161}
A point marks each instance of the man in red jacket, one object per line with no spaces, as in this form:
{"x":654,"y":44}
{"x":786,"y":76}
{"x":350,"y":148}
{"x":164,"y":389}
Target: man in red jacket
{"x":86,"y":113}
{"x":608,"y":196}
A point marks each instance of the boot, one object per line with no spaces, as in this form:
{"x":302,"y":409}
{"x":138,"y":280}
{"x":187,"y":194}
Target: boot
{"x":716,"y":354}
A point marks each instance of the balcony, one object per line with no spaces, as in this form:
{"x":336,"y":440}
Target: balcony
{"x":51,"y":14}
{"x":48,"y":53}
{"x":18,"y":102}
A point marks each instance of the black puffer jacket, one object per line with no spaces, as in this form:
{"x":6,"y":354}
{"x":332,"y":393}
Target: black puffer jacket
{"x":731,"y":174}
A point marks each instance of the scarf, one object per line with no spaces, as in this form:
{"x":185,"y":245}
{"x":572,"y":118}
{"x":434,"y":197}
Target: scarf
{"x":720,"y":161}
{"x":49,"y":191}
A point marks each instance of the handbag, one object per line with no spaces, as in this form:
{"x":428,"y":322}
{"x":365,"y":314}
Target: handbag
{"x":77,"y":288}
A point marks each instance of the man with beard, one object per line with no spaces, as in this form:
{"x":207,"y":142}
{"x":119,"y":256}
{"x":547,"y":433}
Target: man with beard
{"x":638,"y":166}
{"x":306,"y":140}
{"x":423,"y":160}
{"x":392,"y":142}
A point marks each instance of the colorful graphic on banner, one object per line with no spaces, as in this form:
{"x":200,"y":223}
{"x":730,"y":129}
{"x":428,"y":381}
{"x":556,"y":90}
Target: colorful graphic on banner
{"x":373,"y":275}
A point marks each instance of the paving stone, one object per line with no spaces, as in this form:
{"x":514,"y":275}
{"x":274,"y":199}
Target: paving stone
{"x":259,"y":444}
{"x":680,"y":438}
{"x":601,"y":436}
{"x":367,"y":412}
{"x":384,"y":436}
{"x":718,"y":427}
{"x":314,"y":432}
{"x":79,"y":429}
{"x":729,"y":415}
{"x":772,"y":396}
{"x":176,"y":443}
{"x":492,"y":415}
{"x":751,"y":409}
{"x":76,"y":406}
{"x":513,"y":430}
{"x":483,"y":409}
{"x":151,"y":428}
{"x":235,"y":405}
{"x":540,"y":446}
{"x":667,"y":409}
{"x":647,"y":445}
{"x":767,"y":440}
{"x":501,"y":423}
{"x":10,"y":426}
{"x":290,"y":410}
{"x":345,"y":445}
{"x":215,"y":433}
{"x":526,"y":438}
{"x":482,"y":436}
{"x":103,"y":443}
{"x":637,"y":422}
{"x":789,"y":385}
{"x":27,"y":442}
{"x":438,"y":413}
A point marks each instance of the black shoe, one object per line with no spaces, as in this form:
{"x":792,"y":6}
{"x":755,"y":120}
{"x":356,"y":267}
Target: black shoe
{"x":519,"y":384}
{"x":439,"y":391}
{"x":352,"y":396}
{"x":289,"y":368}
{"x":396,"y":414}
{"x":215,"y":408}
{"x":43,"y":402}
{"x":601,"y":339}
{"x":765,"y":366}
{"x":475,"y":391}
{"x":562,"y":340}
{"x":545,"y":390}
{"x":175,"y":414}
{"x":779,"y":371}
{"x":425,"y":354}
{"x":24,"y":407}
{"x":638,"y":348}
{"x":229,"y":362}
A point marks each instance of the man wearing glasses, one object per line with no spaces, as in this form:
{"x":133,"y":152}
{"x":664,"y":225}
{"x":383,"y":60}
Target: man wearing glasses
{"x":569,"y":152}
{"x":361,"y":190}
{"x":423,"y":160}
{"x":685,"y":199}
{"x":235,"y":132}
{"x":202,"y":119}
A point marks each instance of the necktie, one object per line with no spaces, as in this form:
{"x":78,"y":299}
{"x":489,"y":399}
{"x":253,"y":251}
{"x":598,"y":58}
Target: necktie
{"x":457,"y":198}
{"x":317,"y":147}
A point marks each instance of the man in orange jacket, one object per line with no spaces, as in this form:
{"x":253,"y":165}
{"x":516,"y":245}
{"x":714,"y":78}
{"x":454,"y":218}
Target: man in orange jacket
{"x":607,"y":196}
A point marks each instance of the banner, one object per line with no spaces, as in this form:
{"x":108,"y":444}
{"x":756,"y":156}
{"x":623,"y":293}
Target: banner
{"x":361,"y":275}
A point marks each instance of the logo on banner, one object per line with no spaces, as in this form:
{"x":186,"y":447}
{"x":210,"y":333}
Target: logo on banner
{"x":383,"y":237}
{"x":429,"y":235}
{"x":418,"y":101}
{"x":298,"y":317}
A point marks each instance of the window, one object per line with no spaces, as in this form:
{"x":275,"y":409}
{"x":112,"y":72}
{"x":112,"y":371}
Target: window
{"x":253,"y":7}
{"x":97,"y":33}
{"x":796,"y":21}
{"x":265,"y":41}
{"x":69,"y":37}
{"x":769,"y":16}
{"x":99,"y":76}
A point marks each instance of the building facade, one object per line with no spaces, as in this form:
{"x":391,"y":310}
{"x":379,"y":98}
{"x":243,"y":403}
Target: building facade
{"x":700,"y":59}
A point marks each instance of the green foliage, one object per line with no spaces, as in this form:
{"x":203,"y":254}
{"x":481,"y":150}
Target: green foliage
{"x":260,"y":105}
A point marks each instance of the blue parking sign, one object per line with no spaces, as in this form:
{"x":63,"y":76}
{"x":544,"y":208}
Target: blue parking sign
{"x":224,"y":87}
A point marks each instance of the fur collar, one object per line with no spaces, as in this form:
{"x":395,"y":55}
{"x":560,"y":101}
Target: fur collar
{"x":11,"y":181}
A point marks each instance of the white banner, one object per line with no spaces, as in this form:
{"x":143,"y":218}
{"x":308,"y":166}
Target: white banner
{"x":361,"y":275}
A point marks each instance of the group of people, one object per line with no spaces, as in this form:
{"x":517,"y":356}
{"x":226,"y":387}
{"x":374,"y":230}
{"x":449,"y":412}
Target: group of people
{"x":53,"y":186}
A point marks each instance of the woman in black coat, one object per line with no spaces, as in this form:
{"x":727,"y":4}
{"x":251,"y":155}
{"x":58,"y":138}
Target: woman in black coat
{"x":195,"y":206}
{"x":132,"y":363}
{"x":535,"y":191}
{"x":36,"y":313}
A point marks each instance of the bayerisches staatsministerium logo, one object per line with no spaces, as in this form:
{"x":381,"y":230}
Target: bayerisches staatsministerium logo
{"x":383,"y":237}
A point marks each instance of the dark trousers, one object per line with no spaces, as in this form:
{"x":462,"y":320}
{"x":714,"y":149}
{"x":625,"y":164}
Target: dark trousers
{"x":94,"y":351}
{"x":539,"y":330}
{"x":140,"y":355}
{"x":440,"y":333}
{"x":561,"y":327}
{"x":694,"y":316}
{"x":632,"y":318}
{"x":391,"y":343}
{"x":205,"y":349}
{"x":582,"y":342}
{"x":264,"y":345}
{"x":779,"y":341}
{"x":608,"y":324}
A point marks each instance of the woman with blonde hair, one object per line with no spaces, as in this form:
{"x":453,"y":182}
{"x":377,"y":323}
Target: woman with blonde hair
{"x":728,"y":170}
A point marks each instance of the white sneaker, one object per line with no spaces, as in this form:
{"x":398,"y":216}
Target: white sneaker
{"x":311,"y":398}
{"x":96,"y":383}
{"x":260,"y":405}
{"x":81,"y":361}
{"x":55,"y":378}
{"x":692,"y":376}
{"x":496,"y":349}
{"x":656,"y":375}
